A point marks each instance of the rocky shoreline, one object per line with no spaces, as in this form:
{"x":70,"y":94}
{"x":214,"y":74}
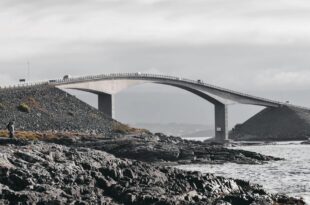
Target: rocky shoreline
{"x":161,"y":149}
{"x":67,"y":152}
{"x":306,"y":142}
{"x":35,"y":172}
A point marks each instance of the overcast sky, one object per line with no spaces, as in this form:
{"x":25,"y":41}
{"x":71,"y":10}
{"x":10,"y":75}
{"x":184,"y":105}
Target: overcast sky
{"x":256,"y":46}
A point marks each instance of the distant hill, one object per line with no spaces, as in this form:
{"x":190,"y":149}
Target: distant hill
{"x":283,"y":123}
{"x":179,"y":129}
{"x":44,"y":108}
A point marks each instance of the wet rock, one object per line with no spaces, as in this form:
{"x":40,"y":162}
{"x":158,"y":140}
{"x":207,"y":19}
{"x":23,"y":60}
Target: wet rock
{"x":160,"y":148}
{"x":129,"y":173}
{"x":86,"y":176}
{"x":306,"y":142}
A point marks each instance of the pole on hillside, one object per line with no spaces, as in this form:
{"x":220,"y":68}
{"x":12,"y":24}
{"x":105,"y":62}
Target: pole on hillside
{"x":28,"y":70}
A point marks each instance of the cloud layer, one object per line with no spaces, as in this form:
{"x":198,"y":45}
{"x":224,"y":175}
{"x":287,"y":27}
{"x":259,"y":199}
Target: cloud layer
{"x":247,"y":45}
{"x":34,"y":27}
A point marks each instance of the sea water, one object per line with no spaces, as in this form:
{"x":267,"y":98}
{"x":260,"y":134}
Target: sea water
{"x":290,"y":176}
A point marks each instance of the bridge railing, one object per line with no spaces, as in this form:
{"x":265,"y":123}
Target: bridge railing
{"x":130,"y":75}
{"x":138,"y":76}
{"x":23,"y":85}
{"x":161,"y":77}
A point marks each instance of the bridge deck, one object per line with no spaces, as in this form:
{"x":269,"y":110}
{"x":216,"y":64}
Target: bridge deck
{"x":143,"y":76}
{"x":135,"y":76}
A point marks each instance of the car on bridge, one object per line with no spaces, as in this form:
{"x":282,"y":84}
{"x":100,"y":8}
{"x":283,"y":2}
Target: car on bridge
{"x":138,"y":73}
{"x":199,"y":81}
{"x":66,"y":77}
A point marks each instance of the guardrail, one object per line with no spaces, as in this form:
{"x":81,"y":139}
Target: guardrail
{"x":160,"y":77}
{"x":141,"y":76}
{"x":23,"y":85}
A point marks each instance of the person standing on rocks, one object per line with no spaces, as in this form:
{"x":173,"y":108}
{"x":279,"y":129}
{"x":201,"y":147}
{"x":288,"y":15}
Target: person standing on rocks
{"x":11,"y":128}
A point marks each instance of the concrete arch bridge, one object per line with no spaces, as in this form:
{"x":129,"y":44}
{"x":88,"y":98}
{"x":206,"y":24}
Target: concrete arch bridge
{"x":105,"y":86}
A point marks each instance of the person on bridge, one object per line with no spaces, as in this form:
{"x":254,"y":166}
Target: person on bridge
{"x":11,"y":128}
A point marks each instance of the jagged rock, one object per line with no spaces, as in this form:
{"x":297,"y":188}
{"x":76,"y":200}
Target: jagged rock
{"x":30,"y":175}
{"x":306,"y":142}
{"x":169,"y":149}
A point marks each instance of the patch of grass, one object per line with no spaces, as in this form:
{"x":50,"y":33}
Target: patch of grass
{"x":44,"y":136}
{"x":21,"y":134}
{"x":2,"y":106}
{"x":4,"y":133}
{"x":32,"y":102}
{"x":125,"y":129}
{"x":27,"y":135}
{"x":23,"y":107}
{"x":59,"y":135}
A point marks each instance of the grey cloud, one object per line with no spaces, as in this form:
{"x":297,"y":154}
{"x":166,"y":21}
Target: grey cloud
{"x":172,"y":9}
{"x":235,"y":66}
{"x":226,"y":43}
{"x":231,"y":66}
{"x":67,"y":10}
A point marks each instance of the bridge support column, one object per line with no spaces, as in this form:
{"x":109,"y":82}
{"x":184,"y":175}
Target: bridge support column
{"x":106,"y":104}
{"x":221,"y":122}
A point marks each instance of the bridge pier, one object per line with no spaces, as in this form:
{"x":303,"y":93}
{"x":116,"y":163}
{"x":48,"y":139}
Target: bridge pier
{"x":106,"y":104}
{"x":114,"y":83}
{"x":221,"y":122}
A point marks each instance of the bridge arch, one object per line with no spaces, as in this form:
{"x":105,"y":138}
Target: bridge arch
{"x":106,"y":103}
{"x":105,"y":86}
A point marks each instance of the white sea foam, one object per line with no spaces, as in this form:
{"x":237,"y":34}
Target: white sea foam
{"x":291,"y":176}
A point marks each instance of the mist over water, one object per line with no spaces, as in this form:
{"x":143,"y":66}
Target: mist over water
{"x":290,"y":176}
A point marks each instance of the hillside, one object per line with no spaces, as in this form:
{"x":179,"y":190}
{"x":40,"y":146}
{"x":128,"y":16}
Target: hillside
{"x":42,"y":108}
{"x":283,"y":123}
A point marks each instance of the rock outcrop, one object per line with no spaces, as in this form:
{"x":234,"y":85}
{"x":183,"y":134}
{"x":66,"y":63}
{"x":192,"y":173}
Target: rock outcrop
{"x":306,"y":142}
{"x":42,"y":173}
{"x":159,"y":148}
{"x":275,"y":124}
